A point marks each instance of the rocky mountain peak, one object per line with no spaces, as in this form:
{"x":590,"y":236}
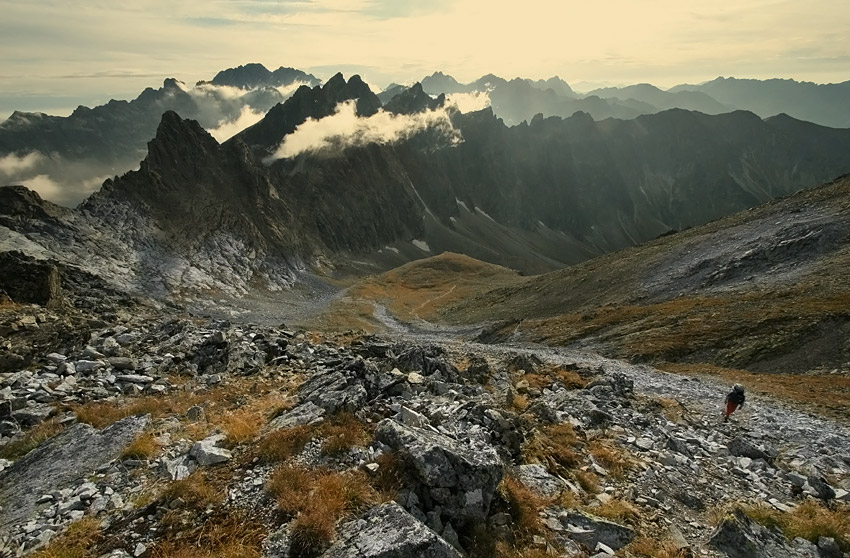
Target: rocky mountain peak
{"x":316,"y":102}
{"x":177,"y":140}
{"x":413,"y":100}
{"x":20,"y":203}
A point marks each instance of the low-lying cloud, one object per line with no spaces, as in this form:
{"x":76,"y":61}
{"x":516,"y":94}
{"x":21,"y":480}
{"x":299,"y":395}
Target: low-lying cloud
{"x":57,"y":179}
{"x":469,"y":102}
{"x":229,"y":128}
{"x":345,"y":129}
{"x":13,"y":164}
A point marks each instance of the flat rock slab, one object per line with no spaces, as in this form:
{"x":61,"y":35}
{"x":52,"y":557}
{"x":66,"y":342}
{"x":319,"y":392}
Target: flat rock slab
{"x":63,"y":461}
{"x":387,"y":531}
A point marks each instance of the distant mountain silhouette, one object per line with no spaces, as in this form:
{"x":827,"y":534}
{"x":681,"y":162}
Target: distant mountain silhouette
{"x":827,"y":104}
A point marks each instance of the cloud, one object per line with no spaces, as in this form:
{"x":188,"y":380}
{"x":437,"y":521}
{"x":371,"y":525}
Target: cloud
{"x":228,"y":129}
{"x":344,"y":128}
{"x":62,"y":181}
{"x":469,"y":102}
{"x":12,"y":164}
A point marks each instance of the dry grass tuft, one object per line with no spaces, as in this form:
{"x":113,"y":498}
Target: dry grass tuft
{"x":556,"y":446}
{"x":31,"y":440}
{"x":228,"y":536}
{"x":101,"y":414}
{"x":587,"y":480}
{"x":282,"y":444}
{"x":76,"y":542}
{"x":646,"y":547}
{"x":318,"y":500}
{"x":342,"y":432}
{"x":195,"y":491}
{"x":617,"y":461}
{"x":241,"y":426}
{"x":524,"y":507}
{"x":288,"y":485}
{"x":143,"y":447}
{"x":617,"y":510}
{"x":504,"y":550}
{"x":810,"y":520}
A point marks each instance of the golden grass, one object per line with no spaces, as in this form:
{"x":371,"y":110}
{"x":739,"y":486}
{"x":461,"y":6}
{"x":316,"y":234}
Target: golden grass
{"x":504,"y":550}
{"x":546,"y":377}
{"x":555,"y":445}
{"x":588,"y":481}
{"x":524,"y":507}
{"x":76,"y":542}
{"x":288,"y":485}
{"x":617,"y":461}
{"x":342,"y":432}
{"x":227,"y":536}
{"x":195,"y":491}
{"x":617,"y":510}
{"x":420,"y":289}
{"x":31,"y":439}
{"x":810,"y":520}
{"x":101,"y":414}
{"x":318,"y":500}
{"x":646,"y":547}
{"x":143,"y":447}
{"x":827,"y":394}
{"x":282,"y":444}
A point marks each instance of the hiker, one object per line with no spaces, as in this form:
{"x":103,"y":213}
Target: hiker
{"x":734,"y":400}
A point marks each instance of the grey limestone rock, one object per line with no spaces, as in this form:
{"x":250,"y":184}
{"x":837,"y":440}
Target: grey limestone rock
{"x":61,"y":462}
{"x":387,"y":531}
{"x":538,"y":479}
{"x":738,"y":536}
{"x":207,"y":453}
{"x":742,"y":447}
{"x":591,"y":530}
{"x":460,"y":477}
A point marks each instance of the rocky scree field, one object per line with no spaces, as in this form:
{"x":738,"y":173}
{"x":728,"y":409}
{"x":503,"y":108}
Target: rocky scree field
{"x":152,"y":433}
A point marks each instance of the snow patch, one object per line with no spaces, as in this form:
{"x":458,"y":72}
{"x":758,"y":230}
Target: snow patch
{"x":463,"y":205}
{"x":392,"y":249}
{"x":422,"y":245}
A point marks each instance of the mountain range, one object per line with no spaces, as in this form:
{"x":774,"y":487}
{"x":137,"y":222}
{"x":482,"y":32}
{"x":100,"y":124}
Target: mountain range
{"x":236,"y":216}
{"x":67,"y":158}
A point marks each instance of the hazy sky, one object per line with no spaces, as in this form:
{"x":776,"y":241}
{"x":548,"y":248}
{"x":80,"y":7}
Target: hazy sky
{"x":55,"y":54}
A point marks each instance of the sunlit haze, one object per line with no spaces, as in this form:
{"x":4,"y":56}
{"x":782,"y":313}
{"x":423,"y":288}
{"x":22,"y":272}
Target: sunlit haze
{"x":57,"y":54}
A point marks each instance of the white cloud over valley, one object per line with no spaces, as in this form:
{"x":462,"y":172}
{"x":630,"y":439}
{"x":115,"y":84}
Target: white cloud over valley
{"x":344,"y":128}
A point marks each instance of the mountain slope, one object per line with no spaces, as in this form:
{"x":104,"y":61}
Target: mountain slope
{"x":825,"y":104}
{"x":763,"y":289}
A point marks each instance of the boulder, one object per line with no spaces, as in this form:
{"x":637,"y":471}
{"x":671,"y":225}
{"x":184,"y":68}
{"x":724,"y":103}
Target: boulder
{"x":388,"y":531}
{"x":458,"y":476}
{"x":738,"y":536}
{"x":590,"y":530}
{"x":63,"y":461}
{"x":741,"y":447}
{"x":206,"y":452}
{"x":28,"y":280}
{"x":538,"y":479}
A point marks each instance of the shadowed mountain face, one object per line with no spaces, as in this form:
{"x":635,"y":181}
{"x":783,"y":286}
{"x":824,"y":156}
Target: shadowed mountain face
{"x":534,"y":197}
{"x":69,"y":157}
{"x":254,"y":76}
{"x":826,"y":104}
{"x":763,"y":289}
